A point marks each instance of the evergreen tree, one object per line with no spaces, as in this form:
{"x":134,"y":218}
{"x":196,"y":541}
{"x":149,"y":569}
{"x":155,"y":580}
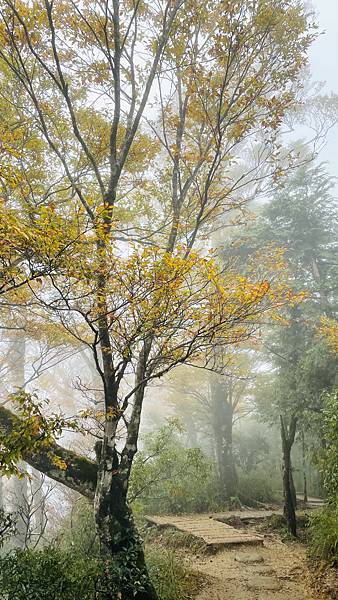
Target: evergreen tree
{"x":302,"y":219}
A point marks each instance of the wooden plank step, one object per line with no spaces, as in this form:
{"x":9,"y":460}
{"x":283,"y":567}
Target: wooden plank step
{"x":213,"y":533}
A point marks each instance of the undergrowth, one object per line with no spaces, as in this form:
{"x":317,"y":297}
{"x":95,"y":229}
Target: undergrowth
{"x":323,"y":536}
{"x":171,"y":538}
{"x":171,"y":578}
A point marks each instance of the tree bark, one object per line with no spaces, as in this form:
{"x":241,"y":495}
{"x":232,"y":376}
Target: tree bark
{"x":80,"y":473}
{"x":120,"y":543}
{"x":121,"y":546}
{"x":288,"y":436}
{"x":293,"y":489}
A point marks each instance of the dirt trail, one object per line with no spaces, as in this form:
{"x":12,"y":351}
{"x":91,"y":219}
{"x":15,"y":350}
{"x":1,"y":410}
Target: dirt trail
{"x":275,"y":571}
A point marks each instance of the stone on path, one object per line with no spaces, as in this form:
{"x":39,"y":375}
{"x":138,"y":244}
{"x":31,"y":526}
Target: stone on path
{"x":249,"y":559}
{"x":263,"y":583}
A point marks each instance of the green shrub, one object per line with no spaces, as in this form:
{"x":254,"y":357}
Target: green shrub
{"x":323,"y":535}
{"x":55,"y":574}
{"x":169,"y":478}
{"x":254,"y":487}
{"x":323,"y":525}
{"x":48,"y":574}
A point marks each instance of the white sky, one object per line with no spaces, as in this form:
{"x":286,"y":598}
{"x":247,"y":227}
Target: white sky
{"x":324,"y":67}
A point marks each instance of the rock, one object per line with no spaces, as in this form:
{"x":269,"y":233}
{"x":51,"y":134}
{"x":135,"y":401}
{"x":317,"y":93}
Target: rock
{"x":249,"y":559}
{"x":263,"y":583}
{"x":264,"y":571}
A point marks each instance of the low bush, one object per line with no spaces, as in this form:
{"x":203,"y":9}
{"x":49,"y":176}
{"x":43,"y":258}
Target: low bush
{"x":48,"y":574}
{"x":55,"y":574}
{"x":254,"y":488}
{"x":323,"y":525}
{"x":323,"y":535}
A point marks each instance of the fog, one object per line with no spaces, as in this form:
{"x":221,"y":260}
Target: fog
{"x":168,"y":299}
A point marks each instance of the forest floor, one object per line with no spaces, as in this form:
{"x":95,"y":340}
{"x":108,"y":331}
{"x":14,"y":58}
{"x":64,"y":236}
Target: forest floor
{"x":276,"y":570}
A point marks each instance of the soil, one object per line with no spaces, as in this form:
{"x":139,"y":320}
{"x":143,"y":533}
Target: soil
{"x":275,"y":571}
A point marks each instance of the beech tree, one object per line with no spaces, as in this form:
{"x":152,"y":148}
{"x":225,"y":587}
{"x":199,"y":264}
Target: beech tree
{"x":132,"y":115}
{"x":209,"y":405}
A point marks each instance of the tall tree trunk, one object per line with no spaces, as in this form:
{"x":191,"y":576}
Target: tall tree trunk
{"x":288,"y":436}
{"x":121,"y":546}
{"x":222,"y":420}
{"x":228,"y":471}
{"x":192,"y":440}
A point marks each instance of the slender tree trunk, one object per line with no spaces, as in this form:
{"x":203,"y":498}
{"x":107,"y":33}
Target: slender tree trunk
{"x":39,"y":506}
{"x":192,"y":441}
{"x":2,"y":501}
{"x":289,"y":510}
{"x":305,"y":498}
{"x":19,"y":507}
{"x":16,"y":366}
{"x":288,"y":436}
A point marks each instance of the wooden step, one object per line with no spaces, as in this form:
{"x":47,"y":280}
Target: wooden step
{"x":213,"y":533}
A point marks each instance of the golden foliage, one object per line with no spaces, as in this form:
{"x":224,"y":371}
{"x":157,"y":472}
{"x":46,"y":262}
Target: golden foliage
{"x":329,"y":329}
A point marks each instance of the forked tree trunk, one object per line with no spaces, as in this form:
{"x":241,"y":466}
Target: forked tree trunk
{"x":288,"y":436}
{"x":126,"y":574}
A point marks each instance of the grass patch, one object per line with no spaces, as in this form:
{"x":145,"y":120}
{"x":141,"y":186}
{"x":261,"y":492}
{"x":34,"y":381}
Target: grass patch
{"x":172,"y":579}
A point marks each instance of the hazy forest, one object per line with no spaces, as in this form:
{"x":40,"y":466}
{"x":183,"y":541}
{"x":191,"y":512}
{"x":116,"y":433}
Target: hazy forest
{"x":168,"y":302}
